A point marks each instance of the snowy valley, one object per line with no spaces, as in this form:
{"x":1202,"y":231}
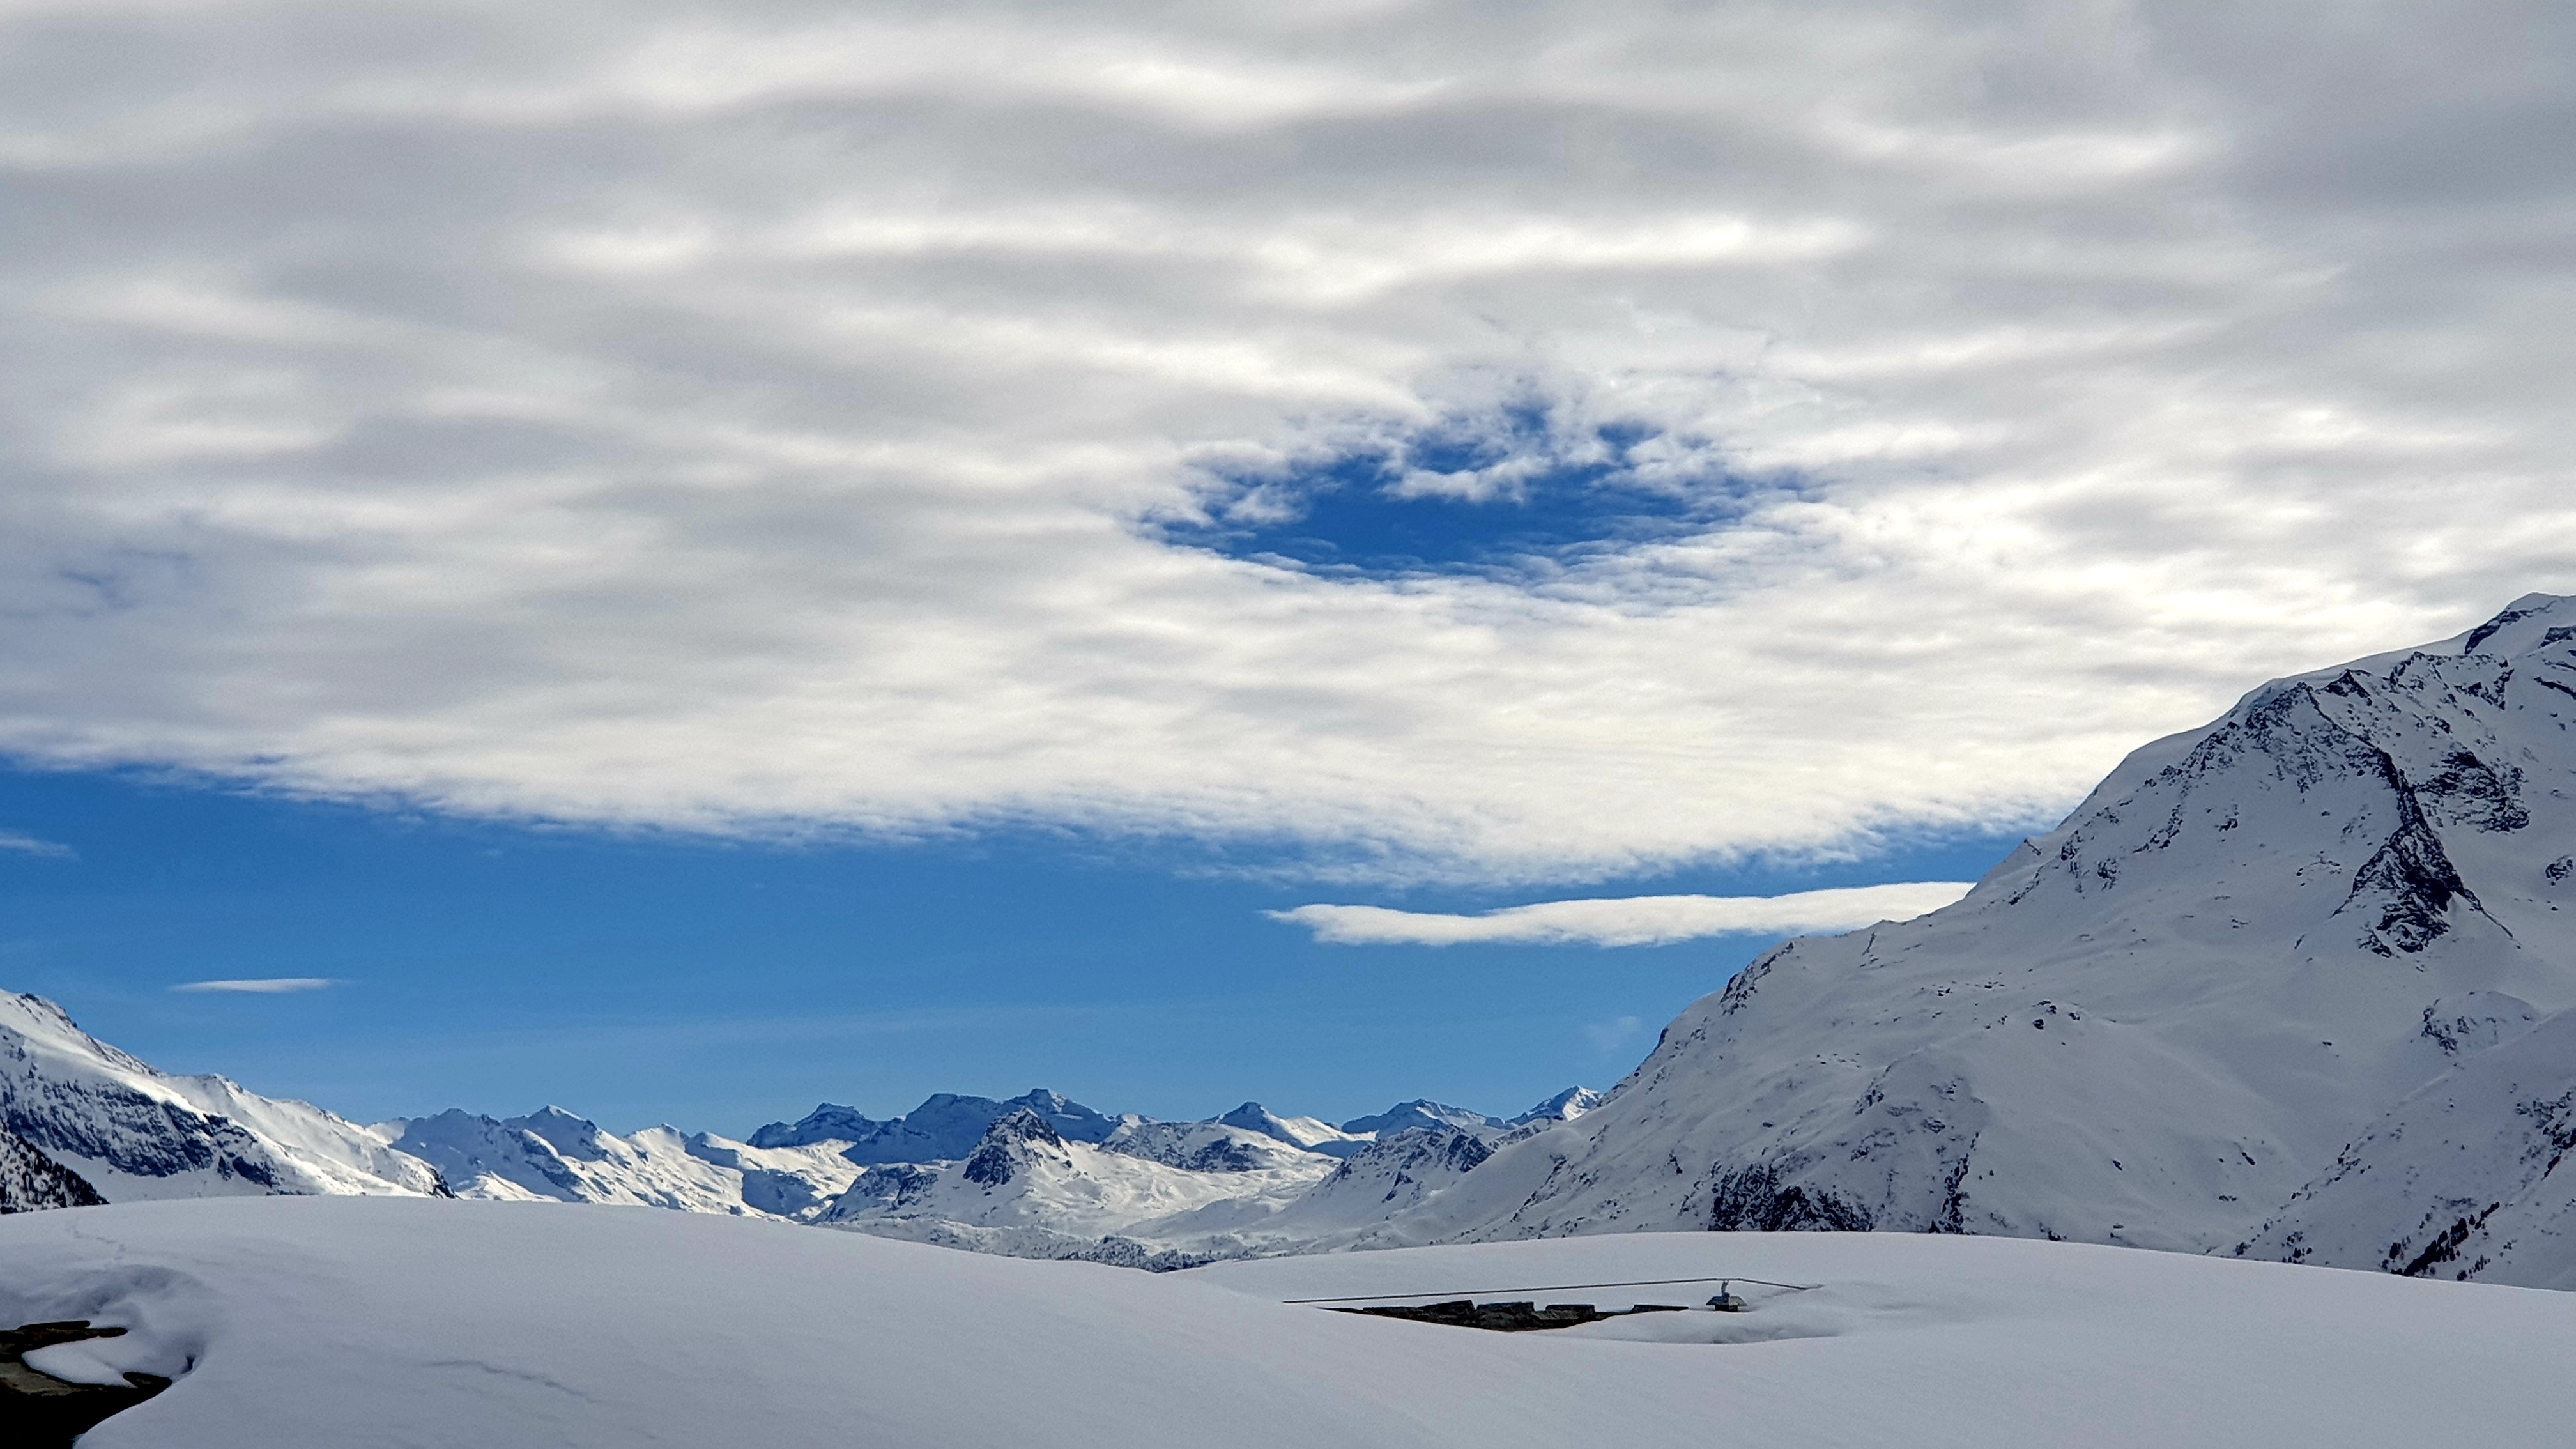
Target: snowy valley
{"x":2293,"y":986}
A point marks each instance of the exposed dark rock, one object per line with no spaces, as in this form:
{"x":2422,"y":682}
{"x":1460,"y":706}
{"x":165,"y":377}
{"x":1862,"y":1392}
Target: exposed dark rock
{"x":39,"y":1411}
{"x":30,"y":1180}
{"x":1753,"y":1200}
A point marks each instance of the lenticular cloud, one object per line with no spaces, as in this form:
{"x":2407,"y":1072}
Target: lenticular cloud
{"x":1630,"y":920}
{"x":757,"y":418}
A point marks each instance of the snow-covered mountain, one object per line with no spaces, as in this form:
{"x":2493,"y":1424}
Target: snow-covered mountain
{"x":2298,"y":985}
{"x":943,"y":1128}
{"x":1421,"y":1113}
{"x":1307,"y":1132}
{"x":1385,"y":1180}
{"x":1565,"y":1106}
{"x":2460,"y":1179}
{"x":555,"y":1155}
{"x":81,"y":1121}
{"x":2291,"y":981}
{"x":1037,"y":1175}
{"x":1030,"y":1191}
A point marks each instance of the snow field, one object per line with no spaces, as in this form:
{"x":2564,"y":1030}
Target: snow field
{"x":352,"y":1323}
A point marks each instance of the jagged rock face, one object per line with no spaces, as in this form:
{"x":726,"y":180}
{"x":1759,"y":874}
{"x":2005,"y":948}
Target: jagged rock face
{"x":29,"y":1180}
{"x":2152,"y":1026}
{"x":1006,"y":1142}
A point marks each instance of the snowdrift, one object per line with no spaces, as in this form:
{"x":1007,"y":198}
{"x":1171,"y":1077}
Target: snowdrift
{"x":369,"y":1323}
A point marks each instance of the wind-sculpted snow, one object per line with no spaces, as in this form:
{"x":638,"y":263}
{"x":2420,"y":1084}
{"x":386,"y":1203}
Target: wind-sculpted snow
{"x":370,"y":1324}
{"x":2159,"y":1023}
{"x":84,"y":1120}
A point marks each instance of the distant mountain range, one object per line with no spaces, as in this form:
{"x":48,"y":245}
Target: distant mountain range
{"x":2298,"y":985}
{"x":83,"y":1123}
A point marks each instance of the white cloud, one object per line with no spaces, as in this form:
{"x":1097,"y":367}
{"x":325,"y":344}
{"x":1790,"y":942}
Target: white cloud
{"x":24,"y":844}
{"x":1629,"y":920}
{"x":261,"y":986}
{"x":743,"y":417}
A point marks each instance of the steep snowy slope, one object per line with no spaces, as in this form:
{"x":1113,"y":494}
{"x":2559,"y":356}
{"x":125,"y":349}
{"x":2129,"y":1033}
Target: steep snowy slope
{"x":1386,"y":1179}
{"x":2463,"y":1179}
{"x":80,"y":1117}
{"x":2152,"y":1026}
{"x":377,"y":1323}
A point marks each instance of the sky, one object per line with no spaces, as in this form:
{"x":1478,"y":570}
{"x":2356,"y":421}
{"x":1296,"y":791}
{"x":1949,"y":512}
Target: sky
{"x":687,"y":559}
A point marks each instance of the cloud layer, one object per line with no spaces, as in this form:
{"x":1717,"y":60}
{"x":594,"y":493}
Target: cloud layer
{"x":260,"y":986}
{"x":767,"y":416}
{"x":1630,"y":920}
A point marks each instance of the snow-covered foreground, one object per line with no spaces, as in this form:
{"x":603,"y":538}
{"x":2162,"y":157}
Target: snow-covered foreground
{"x":358,"y":1322}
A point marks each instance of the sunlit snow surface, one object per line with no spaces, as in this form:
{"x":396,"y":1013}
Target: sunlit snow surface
{"x":361,"y":1322}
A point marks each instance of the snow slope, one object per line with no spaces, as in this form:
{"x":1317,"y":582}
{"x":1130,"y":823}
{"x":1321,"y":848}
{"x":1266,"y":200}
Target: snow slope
{"x":336,"y":1323}
{"x":80,"y":1118}
{"x":2459,"y":1180}
{"x":2159,"y":1023}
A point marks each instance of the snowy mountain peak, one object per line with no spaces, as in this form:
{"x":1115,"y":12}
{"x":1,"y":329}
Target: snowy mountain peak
{"x":1422,"y":1112}
{"x":828,"y":1122}
{"x":1306,"y":1133}
{"x":2153,"y":1025}
{"x":1565,"y":1106}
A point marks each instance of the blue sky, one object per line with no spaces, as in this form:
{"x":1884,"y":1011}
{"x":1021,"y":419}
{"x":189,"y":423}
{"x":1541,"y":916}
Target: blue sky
{"x":947,"y":515}
{"x":720,"y":986}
